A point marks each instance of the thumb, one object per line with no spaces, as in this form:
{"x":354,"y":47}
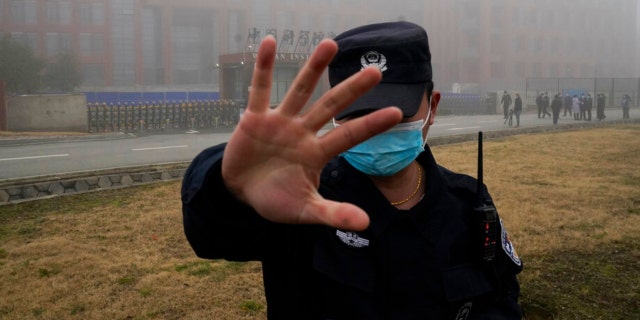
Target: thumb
{"x":340,"y":215}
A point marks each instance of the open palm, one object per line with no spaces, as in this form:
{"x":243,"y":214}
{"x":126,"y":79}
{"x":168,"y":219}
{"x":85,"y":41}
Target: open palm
{"x":274,"y":157}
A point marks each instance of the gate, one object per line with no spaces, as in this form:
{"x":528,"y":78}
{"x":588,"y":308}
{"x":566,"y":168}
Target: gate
{"x":161,"y":115}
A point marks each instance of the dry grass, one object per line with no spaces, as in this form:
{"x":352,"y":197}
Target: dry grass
{"x":571,"y":202}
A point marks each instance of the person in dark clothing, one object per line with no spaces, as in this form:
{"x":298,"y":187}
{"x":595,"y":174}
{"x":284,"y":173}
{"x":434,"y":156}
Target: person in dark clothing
{"x":568,"y":103}
{"x":556,"y":107}
{"x":359,"y":222}
{"x":583,"y":107}
{"x":626,"y":105}
{"x":588,"y":106}
{"x":600,"y":104}
{"x":506,"y":103}
{"x":539,"y":103}
{"x":517,"y":108}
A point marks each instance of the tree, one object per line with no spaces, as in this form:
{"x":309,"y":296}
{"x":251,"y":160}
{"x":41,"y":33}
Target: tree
{"x":19,"y":67}
{"x":63,"y":73}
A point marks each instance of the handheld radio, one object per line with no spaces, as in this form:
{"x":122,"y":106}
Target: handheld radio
{"x":486,"y":214}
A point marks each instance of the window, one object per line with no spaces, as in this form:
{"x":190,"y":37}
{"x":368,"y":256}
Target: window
{"x":97,"y":14}
{"x":498,"y":17}
{"x":555,"y":45}
{"x":517,"y":17}
{"x":93,"y":74}
{"x":53,"y":43}
{"x":123,"y":68}
{"x":29,"y":39}
{"x":282,"y":78}
{"x":521,"y":45}
{"x":498,"y":70}
{"x":547,"y":19}
{"x":236,"y":33}
{"x":536,"y":69}
{"x":554,"y":70}
{"x":518,"y":69}
{"x":84,"y":14}
{"x":538,"y":45}
{"x":24,"y":11}
{"x":91,"y":44}
{"x":532,"y":18}
{"x":57,"y":43}
{"x":498,"y":44}
{"x":58,"y":12}
{"x":91,"y":14}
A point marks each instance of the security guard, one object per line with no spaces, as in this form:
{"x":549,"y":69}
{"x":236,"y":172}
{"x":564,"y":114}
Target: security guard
{"x":381,"y":231}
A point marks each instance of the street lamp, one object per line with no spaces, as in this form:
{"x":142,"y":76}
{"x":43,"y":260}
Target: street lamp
{"x":244,"y":53}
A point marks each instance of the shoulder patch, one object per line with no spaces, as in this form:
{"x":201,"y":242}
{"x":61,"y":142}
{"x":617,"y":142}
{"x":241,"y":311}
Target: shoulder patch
{"x":508,"y":247}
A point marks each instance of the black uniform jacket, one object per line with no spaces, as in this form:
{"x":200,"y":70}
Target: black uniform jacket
{"x":422,"y":263}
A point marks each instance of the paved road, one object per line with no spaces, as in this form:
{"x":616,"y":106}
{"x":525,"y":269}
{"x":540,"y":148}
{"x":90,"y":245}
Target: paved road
{"x":37,"y":157}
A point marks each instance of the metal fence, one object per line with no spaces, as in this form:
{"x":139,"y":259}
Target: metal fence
{"x":461,"y":104}
{"x":612,"y":88}
{"x":144,"y":115}
{"x":138,"y":116}
{"x":141,"y":96}
{"x":161,"y":115}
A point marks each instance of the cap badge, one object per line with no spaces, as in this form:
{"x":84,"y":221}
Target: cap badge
{"x":375,"y":59}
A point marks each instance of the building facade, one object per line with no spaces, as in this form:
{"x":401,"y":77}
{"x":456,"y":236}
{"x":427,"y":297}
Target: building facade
{"x":477,"y":45}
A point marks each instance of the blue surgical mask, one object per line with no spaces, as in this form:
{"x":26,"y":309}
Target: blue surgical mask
{"x":387,"y":153}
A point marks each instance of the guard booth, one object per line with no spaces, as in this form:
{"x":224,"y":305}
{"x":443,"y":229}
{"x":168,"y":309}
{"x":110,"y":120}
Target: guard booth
{"x":236,"y":69}
{"x":490,"y":102}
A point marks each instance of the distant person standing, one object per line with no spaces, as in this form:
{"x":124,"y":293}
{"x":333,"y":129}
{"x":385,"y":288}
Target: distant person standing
{"x":539,"y":98}
{"x":576,"y":107}
{"x":556,"y":107}
{"x":545,"y":105}
{"x":600,"y":103}
{"x":506,"y":102}
{"x":626,"y":104}
{"x":517,"y":108}
{"x":583,"y":109}
{"x":568,"y":102}
{"x":588,"y":106}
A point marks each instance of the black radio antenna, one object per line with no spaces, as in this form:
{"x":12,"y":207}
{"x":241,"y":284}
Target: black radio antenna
{"x":480,"y":169}
{"x":487,"y":215}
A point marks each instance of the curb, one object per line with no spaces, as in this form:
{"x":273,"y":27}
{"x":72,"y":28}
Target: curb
{"x":44,"y":187}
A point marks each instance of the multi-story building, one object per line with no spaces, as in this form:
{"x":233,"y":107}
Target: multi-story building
{"x":500,"y":43}
{"x":482,"y":45}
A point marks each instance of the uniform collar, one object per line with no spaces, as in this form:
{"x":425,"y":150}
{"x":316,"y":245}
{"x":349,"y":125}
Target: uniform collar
{"x":355,"y":187}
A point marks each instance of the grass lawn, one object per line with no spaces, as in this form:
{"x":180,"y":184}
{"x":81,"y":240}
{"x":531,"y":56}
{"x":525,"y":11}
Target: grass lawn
{"x":570,"y":201}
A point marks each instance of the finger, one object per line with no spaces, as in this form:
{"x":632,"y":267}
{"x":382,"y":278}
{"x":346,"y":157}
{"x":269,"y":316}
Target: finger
{"x":340,"y":96}
{"x":305,"y":82}
{"x":358,"y":130}
{"x":260,"y":93}
{"x":340,"y":215}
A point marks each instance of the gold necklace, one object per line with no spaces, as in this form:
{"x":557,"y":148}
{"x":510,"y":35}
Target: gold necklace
{"x":413,"y":194}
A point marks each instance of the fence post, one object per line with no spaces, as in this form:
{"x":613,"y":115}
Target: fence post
{"x":638,"y":92}
{"x":4,"y":114}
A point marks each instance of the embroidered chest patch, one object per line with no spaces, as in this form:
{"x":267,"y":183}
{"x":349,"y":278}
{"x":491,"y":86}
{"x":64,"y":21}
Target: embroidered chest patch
{"x":352,"y":239}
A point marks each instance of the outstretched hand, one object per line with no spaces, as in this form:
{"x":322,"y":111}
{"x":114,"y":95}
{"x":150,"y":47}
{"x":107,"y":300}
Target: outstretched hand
{"x":274,"y":158}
